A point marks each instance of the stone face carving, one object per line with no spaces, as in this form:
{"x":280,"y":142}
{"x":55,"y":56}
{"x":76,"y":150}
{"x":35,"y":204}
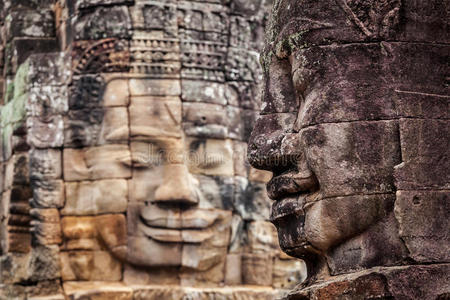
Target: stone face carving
{"x":123,"y":154}
{"x":354,"y":130}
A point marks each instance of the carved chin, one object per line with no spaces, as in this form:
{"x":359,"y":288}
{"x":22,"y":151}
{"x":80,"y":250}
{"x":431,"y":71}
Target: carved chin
{"x":315,"y":227}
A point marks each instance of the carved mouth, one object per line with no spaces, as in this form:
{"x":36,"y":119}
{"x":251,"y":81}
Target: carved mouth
{"x":291,"y":184}
{"x":193,"y":226}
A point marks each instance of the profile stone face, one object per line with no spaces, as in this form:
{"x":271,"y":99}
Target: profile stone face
{"x":124,"y":127}
{"x":354,"y":127}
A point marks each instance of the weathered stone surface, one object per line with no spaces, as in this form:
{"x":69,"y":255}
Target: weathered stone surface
{"x":210,"y":157}
{"x":116,"y":92}
{"x":49,"y":69}
{"x":411,"y":282}
{"x":48,"y":134}
{"x":287,"y":273}
{"x":41,"y":264}
{"x":424,"y":155}
{"x":262,"y":237}
{"x":48,"y":194}
{"x":97,"y":197}
{"x":103,"y":232}
{"x":199,"y":91}
{"x":103,"y":162}
{"x":216,"y":191}
{"x":151,"y":102}
{"x":143,"y":251}
{"x":353,"y":131}
{"x":97,"y":290}
{"x":47,"y":101}
{"x":89,"y":266}
{"x":87,"y":91}
{"x":110,"y":55}
{"x":143,"y":121}
{"x":154,"y":87}
{"x":251,"y":201}
{"x":233,"y":273}
{"x":423,"y":222}
{"x":102,"y":22}
{"x":32,"y":24}
{"x":257,"y":269}
{"x":91,"y":127}
{"x":205,"y":120}
{"x":151,"y":276}
{"x":349,"y":152}
{"x":45,"y":164}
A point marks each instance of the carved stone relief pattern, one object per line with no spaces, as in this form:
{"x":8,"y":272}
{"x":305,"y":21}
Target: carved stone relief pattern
{"x":124,"y":153}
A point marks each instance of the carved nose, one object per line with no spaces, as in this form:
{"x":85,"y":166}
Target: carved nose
{"x":271,"y":147}
{"x":178,"y":186}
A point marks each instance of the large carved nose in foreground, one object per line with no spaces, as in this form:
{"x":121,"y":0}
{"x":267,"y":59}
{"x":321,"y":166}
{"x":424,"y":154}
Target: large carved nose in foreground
{"x":271,"y":147}
{"x":178,"y":186}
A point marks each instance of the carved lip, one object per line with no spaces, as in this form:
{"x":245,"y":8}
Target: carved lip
{"x":195,"y":236}
{"x":192,"y":219}
{"x":291,"y":184}
{"x":193,"y":226}
{"x":285,"y":207}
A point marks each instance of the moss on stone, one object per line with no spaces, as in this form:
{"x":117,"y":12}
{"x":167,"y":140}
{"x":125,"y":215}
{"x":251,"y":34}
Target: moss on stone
{"x":21,"y":79}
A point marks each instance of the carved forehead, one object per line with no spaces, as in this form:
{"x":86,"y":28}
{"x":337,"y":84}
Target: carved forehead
{"x":302,"y":23}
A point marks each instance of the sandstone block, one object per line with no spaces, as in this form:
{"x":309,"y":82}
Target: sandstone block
{"x":409,"y":282}
{"x":96,"y":197}
{"x":202,"y":91}
{"x":154,"y":87}
{"x":144,"y":182}
{"x":150,"y":278}
{"x":88,"y":91}
{"x":103,"y":162}
{"x":46,"y":226}
{"x":288,"y":273}
{"x":236,"y":125}
{"x":251,"y":200}
{"x":365,"y":145}
{"x":47,"y":101}
{"x":49,"y":69}
{"x":102,"y":22}
{"x":143,"y":251}
{"x":216,"y":191}
{"x":205,"y":120}
{"x":104,"y":232}
{"x":89,"y":266}
{"x":48,"y":194}
{"x":233,"y":275}
{"x":423,"y":224}
{"x":144,"y":124}
{"x":241,"y":166}
{"x":210,"y":157}
{"x":424,"y":145}
{"x":262,"y":237}
{"x":97,"y":290}
{"x":211,"y":277}
{"x":48,"y":134}
{"x":257,"y":269}
{"x":31,"y":24}
{"x":91,"y":127}
{"x":45,"y":164}
{"x":116,"y":92}
{"x":363,"y":251}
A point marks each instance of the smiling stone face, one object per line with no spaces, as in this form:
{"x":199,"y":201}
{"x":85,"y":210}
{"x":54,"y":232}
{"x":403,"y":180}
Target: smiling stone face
{"x":342,"y":79}
{"x":131,"y":143}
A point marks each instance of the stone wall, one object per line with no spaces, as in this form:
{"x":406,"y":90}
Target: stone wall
{"x":124,"y":127}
